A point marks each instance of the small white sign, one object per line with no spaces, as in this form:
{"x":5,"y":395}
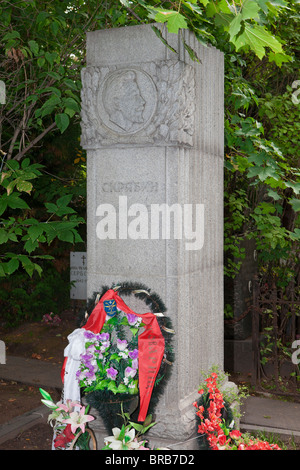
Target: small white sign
{"x":78,"y":269}
{"x":2,"y":93}
{"x":2,"y":353}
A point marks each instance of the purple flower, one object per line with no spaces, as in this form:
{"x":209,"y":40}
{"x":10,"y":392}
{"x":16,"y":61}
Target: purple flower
{"x":90,"y":374}
{"x":111,"y":373}
{"x":86,"y":358}
{"x":130,"y":372}
{"x":88,"y":334}
{"x":133,"y":354}
{"x":103,"y":337}
{"x":135,"y":364}
{"x":131,"y":318}
{"x":122,"y":344}
{"x":104,"y":346}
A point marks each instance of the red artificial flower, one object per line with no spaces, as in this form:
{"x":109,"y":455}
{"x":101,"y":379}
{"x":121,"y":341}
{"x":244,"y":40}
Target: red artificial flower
{"x":64,"y":437}
{"x":212,"y":425}
{"x":222,"y":439}
{"x":235,"y":434}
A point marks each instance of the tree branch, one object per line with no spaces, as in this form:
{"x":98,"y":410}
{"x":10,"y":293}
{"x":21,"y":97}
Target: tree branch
{"x":21,"y":154}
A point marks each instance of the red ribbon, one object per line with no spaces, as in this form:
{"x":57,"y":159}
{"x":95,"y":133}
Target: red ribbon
{"x":151,"y":346}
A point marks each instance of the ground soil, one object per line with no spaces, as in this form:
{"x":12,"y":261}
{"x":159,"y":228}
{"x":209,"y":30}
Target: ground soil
{"x":42,"y":342}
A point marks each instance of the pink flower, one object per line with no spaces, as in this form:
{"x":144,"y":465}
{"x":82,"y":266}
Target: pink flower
{"x":78,"y":420}
{"x":68,"y":406}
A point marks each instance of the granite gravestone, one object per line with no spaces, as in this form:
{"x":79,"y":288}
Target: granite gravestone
{"x":152,"y":125}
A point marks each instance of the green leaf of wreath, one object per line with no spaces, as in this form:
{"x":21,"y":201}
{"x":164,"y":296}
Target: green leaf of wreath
{"x":113,"y":321}
{"x":133,"y":390}
{"x":115,"y":357}
{"x":122,"y":433}
{"x":102,"y":384}
{"x":112,"y":387}
{"x":134,"y":331}
{"x":122,"y":388}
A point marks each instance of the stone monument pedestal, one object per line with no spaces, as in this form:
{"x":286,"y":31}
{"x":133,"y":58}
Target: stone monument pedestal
{"x":152,"y":125}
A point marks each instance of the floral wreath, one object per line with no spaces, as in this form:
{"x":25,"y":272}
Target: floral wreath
{"x":109,"y":365}
{"x":124,"y":346}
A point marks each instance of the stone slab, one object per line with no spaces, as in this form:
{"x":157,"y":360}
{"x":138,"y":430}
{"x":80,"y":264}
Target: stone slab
{"x":271,"y":415}
{"x":32,"y":372}
{"x":23,"y":422}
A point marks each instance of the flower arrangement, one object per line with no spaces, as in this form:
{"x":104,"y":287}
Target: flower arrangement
{"x":110,"y":362}
{"x":69,"y":422}
{"x":220,"y":435}
{"x":112,"y":369}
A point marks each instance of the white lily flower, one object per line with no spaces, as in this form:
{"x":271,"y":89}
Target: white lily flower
{"x":116,"y":444}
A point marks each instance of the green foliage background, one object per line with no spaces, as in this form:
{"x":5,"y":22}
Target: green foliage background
{"x":42,"y":185}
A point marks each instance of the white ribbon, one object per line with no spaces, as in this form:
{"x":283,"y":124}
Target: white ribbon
{"x":73,"y":351}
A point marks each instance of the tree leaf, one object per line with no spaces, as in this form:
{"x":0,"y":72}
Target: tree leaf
{"x":41,"y":62}
{"x":12,"y":266}
{"x":3,"y":236}
{"x":34,"y":47}
{"x":295,"y":203}
{"x":71,"y":84}
{"x":15,"y":202}
{"x":62,"y":121}
{"x":160,"y":36}
{"x":25,"y":186}
{"x":66,"y":236}
{"x":2,"y":271}
{"x":174,"y":19}
{"x":71,"y":104}
{"x":30,"y":246}
{"x":52,"y":208}
{"x":235,"y":26}
{"x":27,"y":264}
{"x":257,"y":38}
{"x":64,"y":200}
{"x":35,"y":231}
{"x":250,"y":9}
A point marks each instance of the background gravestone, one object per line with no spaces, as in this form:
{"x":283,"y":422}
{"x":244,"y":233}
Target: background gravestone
{"x":78,"y":270}
{"x":2,"y":353}
{"x":152,"y":125}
